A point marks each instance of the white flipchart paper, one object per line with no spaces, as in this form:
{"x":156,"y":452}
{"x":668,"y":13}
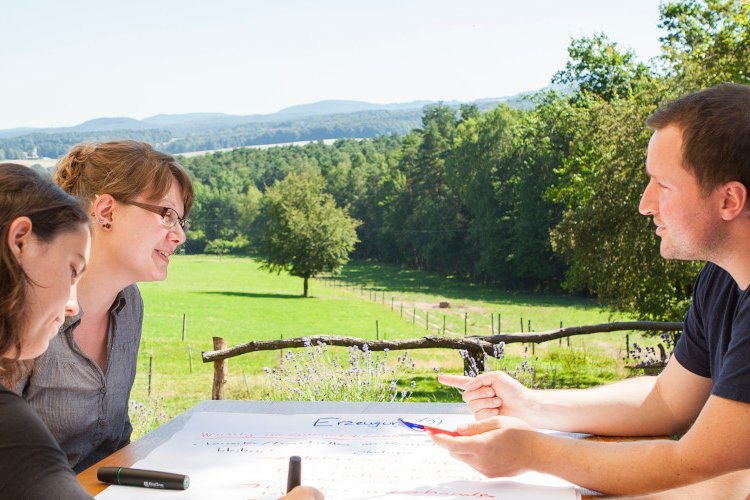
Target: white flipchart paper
{"x":347,"y":456}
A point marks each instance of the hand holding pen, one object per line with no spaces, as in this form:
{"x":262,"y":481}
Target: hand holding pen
{"x":293,"y":480}
{"x":428,"y":428}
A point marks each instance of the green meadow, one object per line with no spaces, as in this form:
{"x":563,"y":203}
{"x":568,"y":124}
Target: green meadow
{"x":232,"y":298}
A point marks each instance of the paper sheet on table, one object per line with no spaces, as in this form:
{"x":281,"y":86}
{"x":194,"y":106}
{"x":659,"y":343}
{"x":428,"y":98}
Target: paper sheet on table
{"x":356,"y":456}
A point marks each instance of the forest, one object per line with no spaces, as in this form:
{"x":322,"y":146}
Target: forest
{"x":542,"y":198}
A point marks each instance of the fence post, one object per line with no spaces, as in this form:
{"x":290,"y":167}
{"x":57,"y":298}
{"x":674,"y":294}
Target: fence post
{"x":190,"y":357}
{"x":627,"y":346}
{"x":150,"y":372}
{"x":427,"y":320}
{"x":466,"y":323}
{"x":221,"y":367}
{"x":184,"y":326}
{"x":492,"y":324}
{"x":443,"y":324}
{"x":377,"y":330}
{"x":247,"y":389}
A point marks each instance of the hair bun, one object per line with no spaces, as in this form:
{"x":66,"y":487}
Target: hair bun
{"x":71,"y":168}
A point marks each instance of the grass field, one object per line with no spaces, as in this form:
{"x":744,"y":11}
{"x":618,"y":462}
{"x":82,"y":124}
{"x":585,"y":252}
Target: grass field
{"x":232,"y":298}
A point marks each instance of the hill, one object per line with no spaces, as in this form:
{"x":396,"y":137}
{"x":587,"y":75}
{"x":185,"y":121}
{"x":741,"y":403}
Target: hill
{"x":181,"y":133}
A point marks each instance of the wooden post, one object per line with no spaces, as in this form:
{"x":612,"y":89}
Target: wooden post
{"x":184,"y":326}
{"x":498,"y":323}
{"x":150,"y":372}
{"x":377,"y":330}
{"x":427,"y":320}
{"x":492,"y":324}
{"x":190,"y":357}
{"x":521,"y":324}
{"x":443,"y":324}
{"x":244,"y":378}
{"x":391,"y":303}
{"x":402,"y":309}
{"x":221,"y":367}
{"x":466,"y":323}
{"x":529,"y":328}
{"x":627,"y":346}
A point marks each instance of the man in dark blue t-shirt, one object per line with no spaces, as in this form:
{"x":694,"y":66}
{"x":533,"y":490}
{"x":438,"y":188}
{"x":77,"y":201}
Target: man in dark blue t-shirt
{"x":699,"y":182}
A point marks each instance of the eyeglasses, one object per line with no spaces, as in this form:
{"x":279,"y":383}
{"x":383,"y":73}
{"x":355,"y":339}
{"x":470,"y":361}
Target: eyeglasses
{"x":168,"y":215}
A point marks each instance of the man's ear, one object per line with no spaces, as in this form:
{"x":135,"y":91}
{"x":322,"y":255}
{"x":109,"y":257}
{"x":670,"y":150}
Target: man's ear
{"x":734,"y":200}
{"x":104,"y":209}
{"x":19,"y":233}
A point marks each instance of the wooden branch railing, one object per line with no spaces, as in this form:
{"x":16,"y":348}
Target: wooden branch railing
{"x":644,"y":326}
{"x":476,"y":346}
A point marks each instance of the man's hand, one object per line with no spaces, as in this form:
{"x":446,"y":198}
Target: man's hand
{"x":496,"y":447}
{"x":491,"y":394}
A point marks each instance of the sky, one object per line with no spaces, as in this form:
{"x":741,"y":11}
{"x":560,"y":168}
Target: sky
{"x":65,"y":62}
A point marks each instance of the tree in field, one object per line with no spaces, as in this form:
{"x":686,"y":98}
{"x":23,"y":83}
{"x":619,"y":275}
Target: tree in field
{"x":305,"y":233}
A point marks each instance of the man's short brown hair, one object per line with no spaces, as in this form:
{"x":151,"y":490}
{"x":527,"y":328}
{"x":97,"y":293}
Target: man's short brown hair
{"x":715,"y":124}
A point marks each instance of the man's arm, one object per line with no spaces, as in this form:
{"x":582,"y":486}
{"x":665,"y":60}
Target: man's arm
{"x":732,"y":486}
{"x":715,"y":444}
{"x":640,"y":406}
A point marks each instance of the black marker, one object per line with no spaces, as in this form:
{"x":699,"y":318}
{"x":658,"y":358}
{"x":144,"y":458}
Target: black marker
{"x":144,"y":478}
{"x":294,"y":478}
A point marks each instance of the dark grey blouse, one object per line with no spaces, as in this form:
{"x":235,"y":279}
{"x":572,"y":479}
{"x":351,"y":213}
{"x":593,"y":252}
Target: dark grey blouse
{"x":87,"y":409}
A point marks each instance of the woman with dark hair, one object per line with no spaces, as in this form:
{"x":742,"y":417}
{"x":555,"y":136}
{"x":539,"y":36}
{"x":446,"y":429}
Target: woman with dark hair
{"x":44,"y":248}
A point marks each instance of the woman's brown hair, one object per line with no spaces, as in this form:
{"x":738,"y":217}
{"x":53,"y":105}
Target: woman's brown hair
{"x":124,"y":169}
{"x":25,"y":193}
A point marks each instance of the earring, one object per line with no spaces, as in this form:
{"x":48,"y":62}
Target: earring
{"x":105,"y":225}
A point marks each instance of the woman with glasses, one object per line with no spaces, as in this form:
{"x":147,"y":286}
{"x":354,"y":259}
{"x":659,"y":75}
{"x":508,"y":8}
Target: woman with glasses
{"x":138,"y":200}
{"x":44,"y":247}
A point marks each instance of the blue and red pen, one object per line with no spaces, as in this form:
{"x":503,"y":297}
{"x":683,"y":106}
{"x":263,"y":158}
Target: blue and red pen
{"x":428,"y":428}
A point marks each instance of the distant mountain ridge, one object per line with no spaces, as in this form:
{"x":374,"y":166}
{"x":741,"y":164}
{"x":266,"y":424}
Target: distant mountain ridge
{"x":182,"y":133}
{"x":221,"y":120}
